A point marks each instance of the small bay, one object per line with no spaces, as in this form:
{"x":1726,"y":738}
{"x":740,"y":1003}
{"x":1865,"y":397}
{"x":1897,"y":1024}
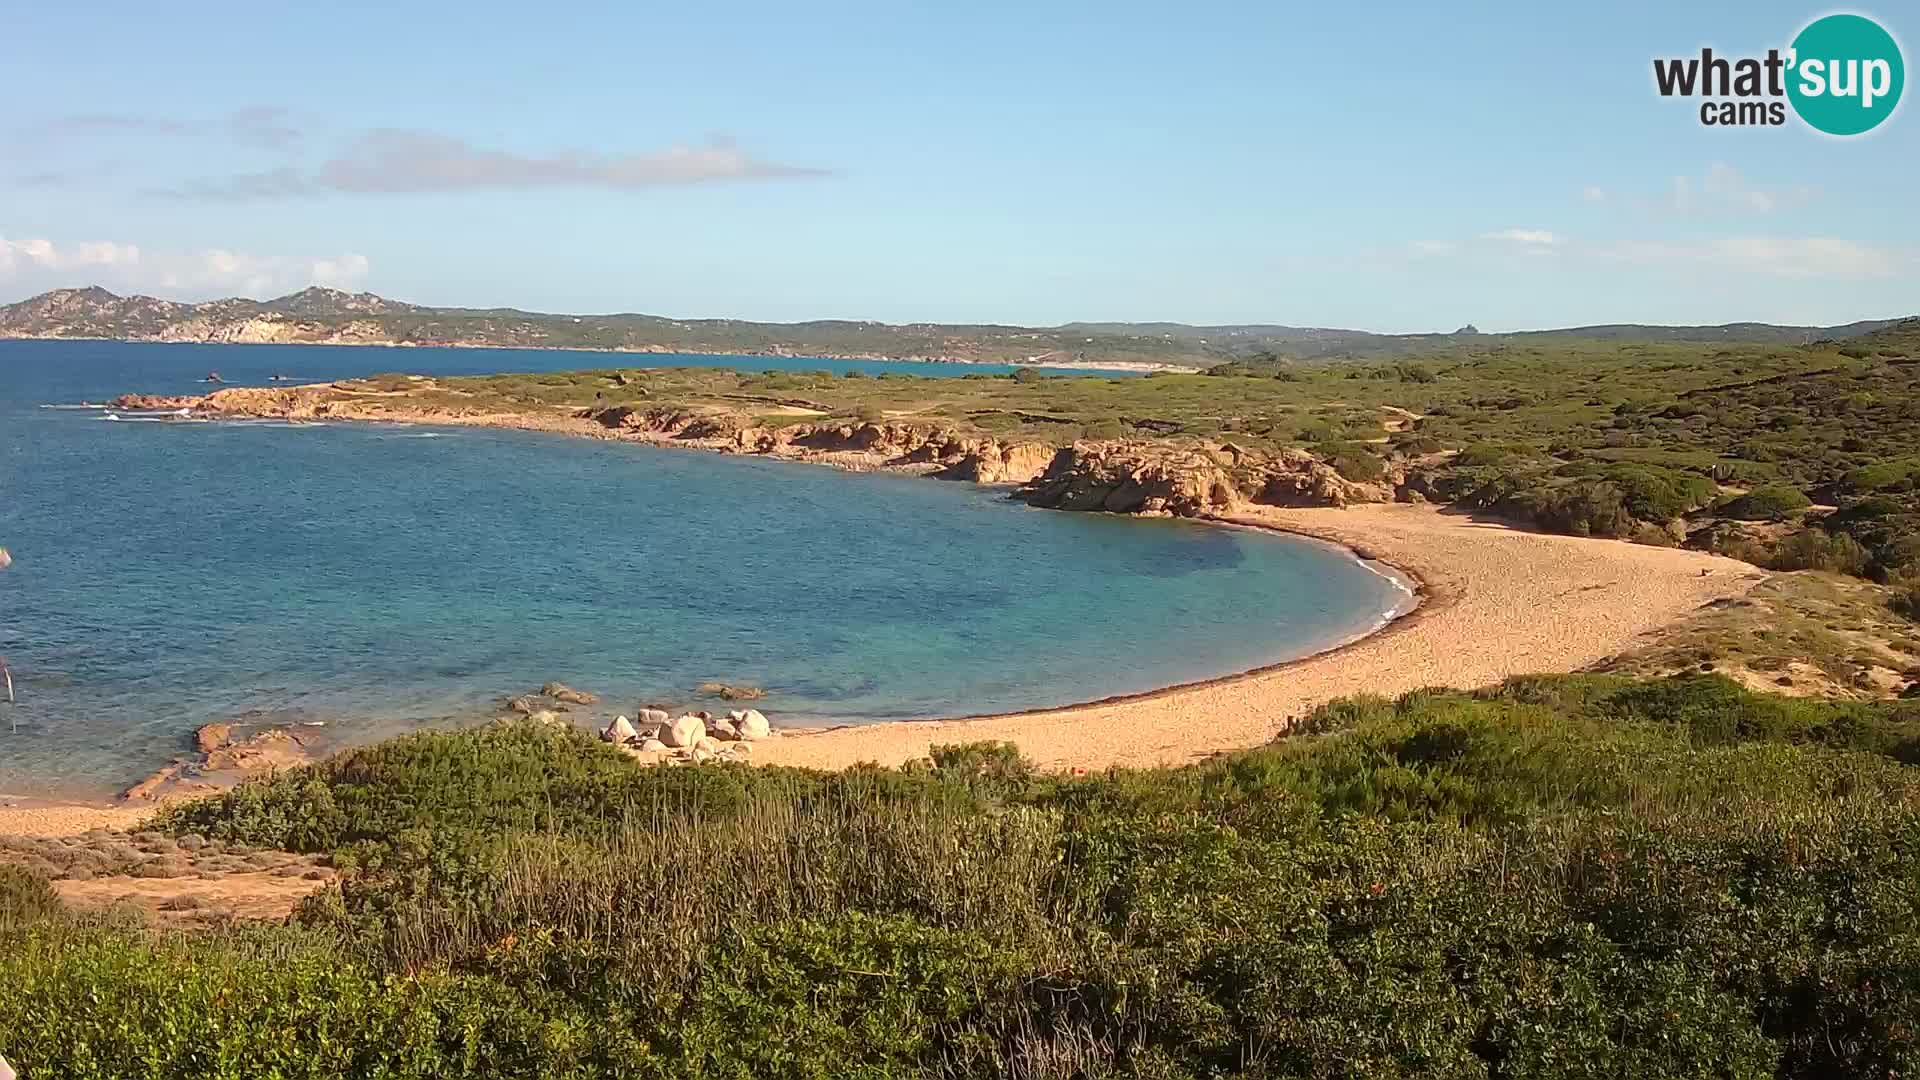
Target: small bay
{"x":375,"y":579}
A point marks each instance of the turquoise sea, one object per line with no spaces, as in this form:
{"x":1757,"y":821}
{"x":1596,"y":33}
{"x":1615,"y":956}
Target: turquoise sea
{"x":373,"y":579}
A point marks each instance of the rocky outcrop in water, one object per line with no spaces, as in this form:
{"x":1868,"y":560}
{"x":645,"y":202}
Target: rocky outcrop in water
{"x":560,"y":691}
{"x":222,"y":761}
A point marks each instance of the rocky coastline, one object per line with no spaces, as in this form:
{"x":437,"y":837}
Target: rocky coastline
{"x":1145,"y":477}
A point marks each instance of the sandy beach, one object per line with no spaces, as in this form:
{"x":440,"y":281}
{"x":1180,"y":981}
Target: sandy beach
{"x":1500,"y":601}
{"x":1497,"y":601}
{"x":39,"y":818}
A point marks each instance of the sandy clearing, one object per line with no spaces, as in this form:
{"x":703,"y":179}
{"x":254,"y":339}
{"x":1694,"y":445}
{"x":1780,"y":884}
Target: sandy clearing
{"x":255,"y":895}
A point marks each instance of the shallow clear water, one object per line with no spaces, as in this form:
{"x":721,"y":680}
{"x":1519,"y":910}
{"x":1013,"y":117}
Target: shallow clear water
{"x":378,"y":578}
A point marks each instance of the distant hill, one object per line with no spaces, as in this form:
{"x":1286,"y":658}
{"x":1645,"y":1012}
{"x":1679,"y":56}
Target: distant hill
{"x":330,"y":316}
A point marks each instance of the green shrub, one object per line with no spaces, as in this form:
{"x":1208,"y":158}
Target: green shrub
{"x":1905,"y":595}
{"x":1882,"y":476}
{"x":1774,"y":502}
{"x":1354,"y":461}
{"x":1578,"y":875}
{"x":25,"y":896}
{"x":1815,"y":548}
{"x":1480,"y":454}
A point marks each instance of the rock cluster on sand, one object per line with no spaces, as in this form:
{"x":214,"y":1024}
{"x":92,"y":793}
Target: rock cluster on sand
{"x":694,"y":737}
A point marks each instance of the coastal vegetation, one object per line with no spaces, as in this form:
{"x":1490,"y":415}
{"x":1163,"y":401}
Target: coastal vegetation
{"x":1624,"y":872}
{"x":1791,"y":457}
{"x":1558,"y":876}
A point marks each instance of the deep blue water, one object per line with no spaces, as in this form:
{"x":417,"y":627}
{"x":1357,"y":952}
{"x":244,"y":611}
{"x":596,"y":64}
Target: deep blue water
{"x":379,"y":578}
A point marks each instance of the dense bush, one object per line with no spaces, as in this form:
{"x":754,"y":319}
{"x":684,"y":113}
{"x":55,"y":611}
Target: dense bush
{"x":1773,"y":502}
{"x":1906,"y":595}
{"x":1897,"y":474}
{"x":1354,"y":461}
{"x":1817,"y":549}
{"x":25,"y":896}
{"x":1559,"y":876}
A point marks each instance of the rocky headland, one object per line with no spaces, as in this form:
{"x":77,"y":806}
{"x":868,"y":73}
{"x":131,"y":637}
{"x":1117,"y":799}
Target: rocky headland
{"x":1183,"y":478}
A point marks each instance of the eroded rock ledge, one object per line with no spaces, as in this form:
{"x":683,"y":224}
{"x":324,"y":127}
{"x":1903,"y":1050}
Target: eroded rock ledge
{"x":1185,"y":478}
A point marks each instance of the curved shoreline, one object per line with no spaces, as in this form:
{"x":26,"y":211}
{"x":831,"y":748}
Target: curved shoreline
{"x":1417,"y":597}
{"x":35,"y":815}
{"x":1497,"y":601}
{"x":1427,"y":553}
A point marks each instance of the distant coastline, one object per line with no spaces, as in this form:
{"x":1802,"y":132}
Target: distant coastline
{"x":325,"y":316}
{"x":1126,"y":366}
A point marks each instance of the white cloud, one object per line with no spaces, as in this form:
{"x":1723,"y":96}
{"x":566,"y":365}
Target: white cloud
{"x":1776,"y":256}
{"x":1792,"y":257}
{"x":1529,"y":238}
{"x":1594,"y":194}
{"x":35,"y":264}
{"x":1724,"y":190}
{"x":43,"y":254}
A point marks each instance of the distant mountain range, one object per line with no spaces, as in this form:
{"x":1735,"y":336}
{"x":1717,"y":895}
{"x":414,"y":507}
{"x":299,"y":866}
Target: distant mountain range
{"x":330,"y":316}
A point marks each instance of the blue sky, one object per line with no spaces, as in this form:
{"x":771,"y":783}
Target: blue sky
{"x":1391,"y":166}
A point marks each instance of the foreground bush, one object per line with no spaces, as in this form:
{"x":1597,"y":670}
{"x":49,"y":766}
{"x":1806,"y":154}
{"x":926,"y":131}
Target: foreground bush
{"x":1580,"y":876}
{"x":25,"y":896}
{"x":1772,"y":502}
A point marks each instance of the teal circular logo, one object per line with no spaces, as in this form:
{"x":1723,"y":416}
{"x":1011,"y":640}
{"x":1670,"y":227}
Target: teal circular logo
{"x":1846,"y":74}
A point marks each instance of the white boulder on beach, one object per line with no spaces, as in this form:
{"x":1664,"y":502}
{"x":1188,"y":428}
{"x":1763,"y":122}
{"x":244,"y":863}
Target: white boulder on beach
{"x":751,"y":724}
{"x":683,"y":731}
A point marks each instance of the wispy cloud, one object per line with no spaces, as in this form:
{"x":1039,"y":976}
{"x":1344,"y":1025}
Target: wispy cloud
{"x":1793,"y":257}
{"x":1530,"y":239}
{"x":1724,"y":190}
{"x":39,"y":263}
{"x":404,"y":161}
{"x":108,"y":123}
{"x":1803,"y":257}
{"x":269,"y":126}
{"x":1719,"y":192}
